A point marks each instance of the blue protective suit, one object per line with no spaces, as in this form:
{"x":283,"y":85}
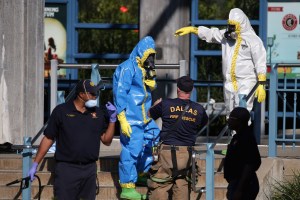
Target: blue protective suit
{"x":133,"y":96}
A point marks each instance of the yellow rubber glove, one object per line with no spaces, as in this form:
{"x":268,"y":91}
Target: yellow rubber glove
{"x":260,"y":92}
{"x":125,"y":126}
{"x":150,"y":83}
{"x":186,"y":30}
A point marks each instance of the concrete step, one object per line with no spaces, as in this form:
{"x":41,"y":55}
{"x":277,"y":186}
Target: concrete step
{"x":14,"y":162}
{"x":106,"y":179}
{"x":107,"y":163}
{"x":47,"y":178}
{"x":219,"y":194}
{"x":109,"y":187}
{"x":105,"y":193}
{"x":11,"y":169}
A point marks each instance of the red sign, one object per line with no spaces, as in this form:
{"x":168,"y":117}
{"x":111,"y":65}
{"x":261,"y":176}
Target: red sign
{"x":275,"y":9}
{"x":289,"y":22}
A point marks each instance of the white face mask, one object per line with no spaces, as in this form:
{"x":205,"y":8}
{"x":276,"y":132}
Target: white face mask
{"x":91,"y":103}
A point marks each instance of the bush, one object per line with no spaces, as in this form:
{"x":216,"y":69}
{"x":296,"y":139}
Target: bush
{"x":287,"y":189}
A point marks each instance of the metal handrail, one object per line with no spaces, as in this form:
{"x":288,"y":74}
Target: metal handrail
{"x":209,"y":163}
{"x":55,"y":66}
{"x":112,"y":66}
{"x":211,"y":121}
{"x":274,"y":93}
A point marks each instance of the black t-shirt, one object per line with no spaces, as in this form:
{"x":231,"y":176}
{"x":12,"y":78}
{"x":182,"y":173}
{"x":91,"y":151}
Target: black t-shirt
{"x":241,"y":151}
{"x":185,"y":131}
{"x":77,"y":134}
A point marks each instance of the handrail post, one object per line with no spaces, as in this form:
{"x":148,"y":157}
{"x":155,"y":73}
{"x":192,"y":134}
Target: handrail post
{"x":53,"y":84}
{"x":210,"y":168}
{"x":257,"y":122}
{"x":26,"y":164}
{"x":273,"y":105}
{"x":182,"y":68}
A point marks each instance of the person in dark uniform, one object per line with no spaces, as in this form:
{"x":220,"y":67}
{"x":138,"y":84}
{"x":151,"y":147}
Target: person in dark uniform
{"x":242,"y":159}
{"x":77,"y":127}
{"x":181,"y":121}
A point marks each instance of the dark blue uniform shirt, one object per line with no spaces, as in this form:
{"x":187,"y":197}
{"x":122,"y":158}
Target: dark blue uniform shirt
{"x":184,"y":132}
{"x":77,"y":134}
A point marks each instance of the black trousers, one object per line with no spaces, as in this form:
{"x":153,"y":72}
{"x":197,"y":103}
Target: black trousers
{"x":250,"y":191}
{"x":74,"y":181}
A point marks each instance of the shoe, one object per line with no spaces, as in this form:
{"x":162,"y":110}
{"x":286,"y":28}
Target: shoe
{"x":142,"y":179}
{"x":224,"y":152}
{"x":145,"y":197}
{"x":131,"y":194}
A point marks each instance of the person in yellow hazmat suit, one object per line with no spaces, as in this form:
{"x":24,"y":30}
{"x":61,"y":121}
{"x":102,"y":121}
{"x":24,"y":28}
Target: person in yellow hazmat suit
{"x":243,"y":58}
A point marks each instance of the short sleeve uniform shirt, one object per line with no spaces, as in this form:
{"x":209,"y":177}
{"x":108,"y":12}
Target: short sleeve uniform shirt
{"x":77,"y":134}
{"x":183,"y":132}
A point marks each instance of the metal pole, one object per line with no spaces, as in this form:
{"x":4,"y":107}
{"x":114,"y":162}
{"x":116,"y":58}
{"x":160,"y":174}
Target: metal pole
{"x":53,"y":84}
{"x":210,"y":168}
{"x":26,"y":164}
{"x":182,"y":68}
{"x":270,"y":56}
{"x":263,"y":117}
{"x":273,"y":105}
{"x":208,"y":106}
{"x":257,"y":121}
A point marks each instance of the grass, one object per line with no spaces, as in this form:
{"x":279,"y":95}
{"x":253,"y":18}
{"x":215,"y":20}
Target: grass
{"x":287,"y":189}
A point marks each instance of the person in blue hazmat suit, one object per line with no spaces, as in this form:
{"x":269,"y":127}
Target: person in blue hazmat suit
{"x":243,"y":58}
{"x":133,"y":81}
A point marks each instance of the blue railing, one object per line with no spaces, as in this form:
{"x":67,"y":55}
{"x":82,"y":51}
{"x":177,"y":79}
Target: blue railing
{"x":283,"y":109}
{"x":209,"y":166}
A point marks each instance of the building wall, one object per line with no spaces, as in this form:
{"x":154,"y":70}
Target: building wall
{"x":160,"y":19}
{"x":21,"y":69}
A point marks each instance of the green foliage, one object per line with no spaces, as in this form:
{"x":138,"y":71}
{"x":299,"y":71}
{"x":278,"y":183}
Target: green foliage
{"x":219,"y":9}
{"x":107,"y":41}
{"x":107,"y":11}
{"x":287,"y":189}
{"x":210,"y":69}
{"x":101,"y":41}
